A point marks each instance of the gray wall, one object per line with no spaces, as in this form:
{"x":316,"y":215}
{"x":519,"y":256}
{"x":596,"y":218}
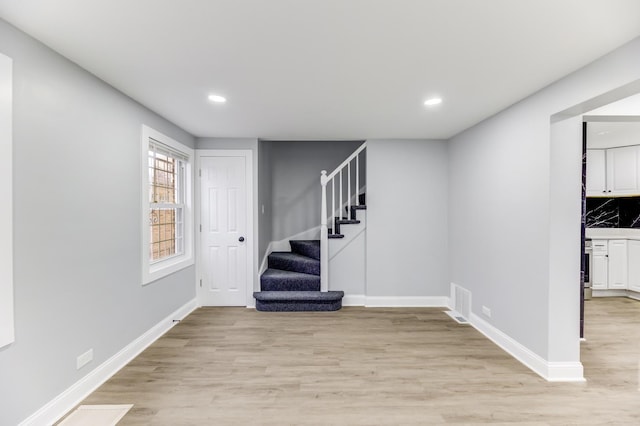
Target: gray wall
{"x":265,"y":197}
{"x":407,"y":243}
{"x":295,"y":180}
{"x":513,"y":237}
{"x":77,"y":227}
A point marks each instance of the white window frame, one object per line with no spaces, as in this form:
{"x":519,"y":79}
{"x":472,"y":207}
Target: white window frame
{"x":152,"y":271}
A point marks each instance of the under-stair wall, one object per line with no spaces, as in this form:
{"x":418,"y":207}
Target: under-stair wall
{"x":407,"y":213}
{"x":347,"y":262}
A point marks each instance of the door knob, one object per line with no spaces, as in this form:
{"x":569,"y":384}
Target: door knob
{"x":241,"y":239}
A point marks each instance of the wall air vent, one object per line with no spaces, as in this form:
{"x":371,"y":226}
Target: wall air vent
{"x":461,"y":303}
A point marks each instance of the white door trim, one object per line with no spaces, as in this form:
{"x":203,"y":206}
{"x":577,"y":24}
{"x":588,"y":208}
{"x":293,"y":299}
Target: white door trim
{"x":250,"y":240}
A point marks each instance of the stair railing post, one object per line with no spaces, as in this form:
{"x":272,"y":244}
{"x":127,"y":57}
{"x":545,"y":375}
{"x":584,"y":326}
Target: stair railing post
{"x":349,"y":190}
{"x":341,"y":191}
{"x":333,"y":205}
{"x":324,"y":236}
{"x":358,"y":180}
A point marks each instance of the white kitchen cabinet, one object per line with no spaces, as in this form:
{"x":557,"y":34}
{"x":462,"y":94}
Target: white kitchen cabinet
{"x":618,"y":265}
{"x":633,"y":255}
{"x":623,"y":170}
{"x":600,"y":265}
{"x":599,"y":279}
{"x":596,"y":172}
{"x":613,"y":172}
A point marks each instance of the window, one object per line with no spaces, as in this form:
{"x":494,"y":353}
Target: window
{"x":166,"y":202}
{"x":167,"y":209}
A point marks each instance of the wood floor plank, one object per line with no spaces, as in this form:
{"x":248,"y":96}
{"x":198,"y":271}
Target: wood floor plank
{"x":370,"y":366}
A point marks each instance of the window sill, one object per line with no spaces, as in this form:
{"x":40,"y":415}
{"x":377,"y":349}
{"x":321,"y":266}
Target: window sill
{"x":167,"y":267}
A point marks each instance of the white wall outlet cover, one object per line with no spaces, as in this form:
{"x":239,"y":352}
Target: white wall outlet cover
{"x":486,"y":311}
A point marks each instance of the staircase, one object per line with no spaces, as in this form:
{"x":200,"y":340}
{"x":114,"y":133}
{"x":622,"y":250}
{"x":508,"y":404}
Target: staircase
{"x":352,"y":218}
{"x":298,"y":280}
{"x":292,"y":281}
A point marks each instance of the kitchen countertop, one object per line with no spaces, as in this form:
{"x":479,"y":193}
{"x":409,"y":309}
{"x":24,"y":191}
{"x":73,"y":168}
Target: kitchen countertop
{"x":613,"y":233}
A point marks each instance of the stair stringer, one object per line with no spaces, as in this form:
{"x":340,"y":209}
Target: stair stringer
{"x":347,"y":261}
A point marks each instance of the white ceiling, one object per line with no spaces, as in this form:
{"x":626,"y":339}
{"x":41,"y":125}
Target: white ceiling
{"x":328,"y":69}
{"x":612,"y":134}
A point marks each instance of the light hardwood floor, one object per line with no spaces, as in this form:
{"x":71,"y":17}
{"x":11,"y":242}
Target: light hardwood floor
{"x":357,"y":366}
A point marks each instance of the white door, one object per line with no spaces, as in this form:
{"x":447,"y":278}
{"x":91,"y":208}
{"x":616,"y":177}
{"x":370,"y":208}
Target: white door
{"x":224,"y":218}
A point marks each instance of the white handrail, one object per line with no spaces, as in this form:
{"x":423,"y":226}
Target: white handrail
{"x":324,"y":229}
{"x":348,"y":160}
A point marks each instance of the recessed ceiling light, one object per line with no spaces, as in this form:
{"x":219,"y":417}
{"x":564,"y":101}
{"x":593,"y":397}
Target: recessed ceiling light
{"x":433,"y":101}
{"x":217,"y":99}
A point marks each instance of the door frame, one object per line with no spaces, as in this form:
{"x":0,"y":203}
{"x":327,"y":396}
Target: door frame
{"x":250,"y":240}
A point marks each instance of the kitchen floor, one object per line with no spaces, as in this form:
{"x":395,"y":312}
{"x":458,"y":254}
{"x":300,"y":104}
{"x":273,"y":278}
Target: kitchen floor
{"x":611,"y":353}
{"x":358,"y":366}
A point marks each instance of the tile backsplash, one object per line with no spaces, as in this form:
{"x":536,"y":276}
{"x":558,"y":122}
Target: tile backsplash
{"x":613,"y":212}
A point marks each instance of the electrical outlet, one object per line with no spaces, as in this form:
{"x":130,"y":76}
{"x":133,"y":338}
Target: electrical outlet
{"x":84,"y":359}
{"x":486,"y":311}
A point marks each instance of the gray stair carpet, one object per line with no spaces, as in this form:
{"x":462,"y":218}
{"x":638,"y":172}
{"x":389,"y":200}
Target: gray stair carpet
{"x":294,"y":301}
{"x":279,"y":280}
{"x":292,"y":281}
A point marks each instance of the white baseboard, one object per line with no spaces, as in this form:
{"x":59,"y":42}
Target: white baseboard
{"x":633,"y":295}
{"x":616,"y":293}
{"x":353,"y":300}
{"x":609,"y":293}
{"x":551,"y":371}
{"x":407,"y":301}
{"x":63,"y":403}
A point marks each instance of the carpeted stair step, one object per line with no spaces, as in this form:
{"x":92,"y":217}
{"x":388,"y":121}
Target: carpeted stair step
{"x":309,"y":248}
{"x":293,"y":262}
{"x":278,"y":280}
{"x":295,"y":301}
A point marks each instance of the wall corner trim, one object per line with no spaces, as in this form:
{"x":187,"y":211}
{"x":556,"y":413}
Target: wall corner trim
{"x":550,"y":371}
{"x":406,"y":301}
{"x":60,"y":405}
